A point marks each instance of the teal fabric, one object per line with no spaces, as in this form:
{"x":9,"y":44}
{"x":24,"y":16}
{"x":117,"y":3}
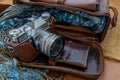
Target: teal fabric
{"x":10,"y":71}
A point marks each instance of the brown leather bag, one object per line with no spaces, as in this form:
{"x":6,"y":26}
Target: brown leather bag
{"x":82,"y":54}
{"x":75,"y":61}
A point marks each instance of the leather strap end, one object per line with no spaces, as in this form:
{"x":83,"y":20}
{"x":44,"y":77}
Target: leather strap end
{"x":60,"y":1}
{"x":115,"y":17}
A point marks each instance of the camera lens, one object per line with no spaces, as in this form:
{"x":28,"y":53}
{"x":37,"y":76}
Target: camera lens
{"x":57,"y":47}
{"x":50,"y":44}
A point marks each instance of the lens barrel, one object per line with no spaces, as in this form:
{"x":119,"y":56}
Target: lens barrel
{"x":50,"y":43}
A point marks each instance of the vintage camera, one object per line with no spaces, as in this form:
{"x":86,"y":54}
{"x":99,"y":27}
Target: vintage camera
{"x":37,"y":32}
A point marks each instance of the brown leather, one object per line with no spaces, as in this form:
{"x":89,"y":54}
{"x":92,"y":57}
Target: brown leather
{"x":71,"y":28}
{"x":95,"y":64}
{"x":74,"y":54}
{"x":76,"y":37}
{"x":115,"y":16}
{"x":3,"y":7}
{"x":48,"y":1}
{"x":72,"y":32}
{"x":61,"y":1}
{"x":25,"y":52}
{"x":85,"y":4}
{"x":99,"y":11}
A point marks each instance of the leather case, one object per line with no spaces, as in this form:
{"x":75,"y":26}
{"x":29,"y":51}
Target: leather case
{"x":74,"y":54}
{"x":82,"y":55}
{"x":85,"y":4}
{"x":93,"y":64}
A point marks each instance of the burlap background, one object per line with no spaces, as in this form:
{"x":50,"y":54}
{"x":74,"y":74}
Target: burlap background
{"x":6,"y":1}
{"x":111,"y":44}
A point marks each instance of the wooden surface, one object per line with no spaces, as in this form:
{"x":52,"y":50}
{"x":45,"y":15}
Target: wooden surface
{"x":111,"y":48}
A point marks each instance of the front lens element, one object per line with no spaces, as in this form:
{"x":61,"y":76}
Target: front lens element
{"x":50,"y":44}
{"x":57,"y":47}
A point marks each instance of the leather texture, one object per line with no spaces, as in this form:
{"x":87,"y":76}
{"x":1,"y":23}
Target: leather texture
{"x":74,"y":54}
{"x":25,"y":52}
{"x":72,"y":32}
{"x":99,"y":9}
{"x":114,"y":19}
{"x":3,"y":7}
{"x":85,"y":4}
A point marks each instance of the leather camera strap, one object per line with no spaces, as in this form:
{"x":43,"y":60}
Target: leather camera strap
{"x":115,"y":16}
{"x":61,"y":1}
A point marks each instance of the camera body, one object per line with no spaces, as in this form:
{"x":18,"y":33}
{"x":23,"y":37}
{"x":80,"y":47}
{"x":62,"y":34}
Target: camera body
{"x":37,"y":32}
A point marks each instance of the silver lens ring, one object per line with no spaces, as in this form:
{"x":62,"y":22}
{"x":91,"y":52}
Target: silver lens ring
{"x":50,"y":45}
{"x":52,"y":48}
{"x":59,"y":45}
{"x":46,"y":43}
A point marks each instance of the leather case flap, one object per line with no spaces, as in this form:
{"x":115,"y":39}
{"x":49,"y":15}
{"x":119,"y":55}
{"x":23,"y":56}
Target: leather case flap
{"x":98,"y":10}
{"x":25,"y":52}
{"x":85,"y":4}
{"x":74,"y":54}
